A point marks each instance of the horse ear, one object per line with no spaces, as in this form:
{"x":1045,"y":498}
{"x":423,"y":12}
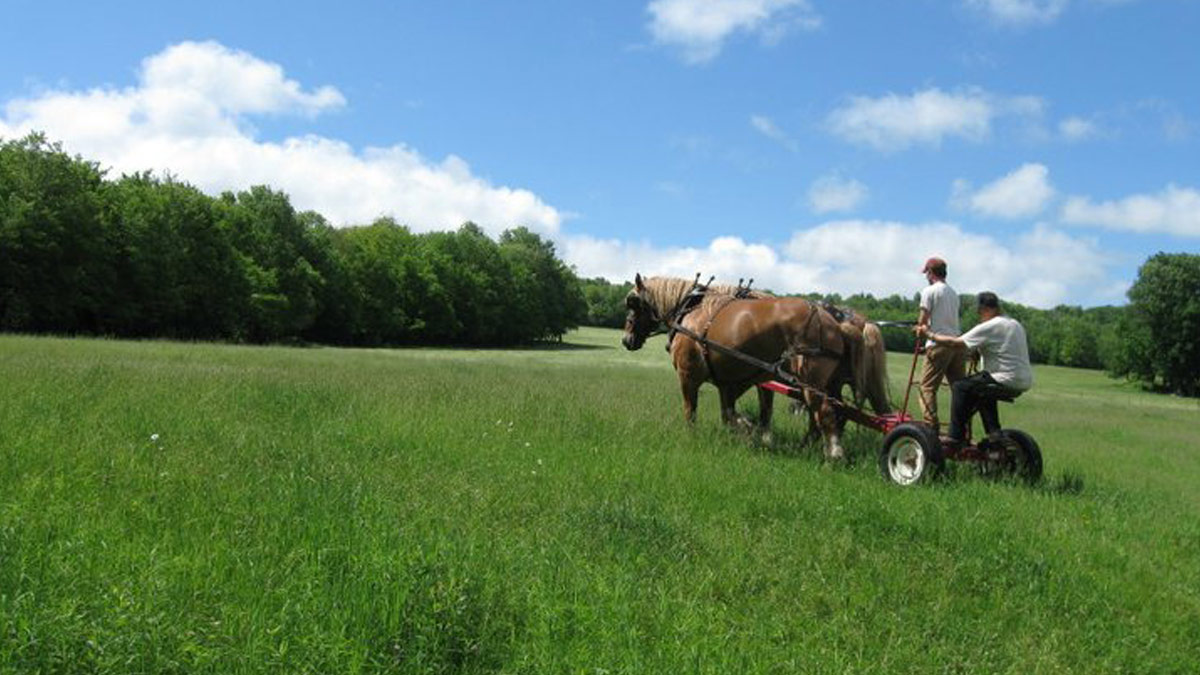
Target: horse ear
{"x":637,"y":282}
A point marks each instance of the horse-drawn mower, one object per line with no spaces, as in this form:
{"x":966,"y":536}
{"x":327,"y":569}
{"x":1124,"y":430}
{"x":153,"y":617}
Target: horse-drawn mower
{"x":735,"y":339}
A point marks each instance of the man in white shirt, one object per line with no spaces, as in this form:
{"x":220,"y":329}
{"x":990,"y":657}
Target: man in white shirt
{"x":939,"y":314}
{"x":1005,"y":350}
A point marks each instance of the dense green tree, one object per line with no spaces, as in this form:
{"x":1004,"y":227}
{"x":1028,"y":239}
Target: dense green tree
{"x":336,"y":297}
{"x":1160,"y":333}
{"x":605,"y":302}
{"x":177,"y":273}
{"x":476,"y":279}
{"x":54,"y":258}
{"x":394,"y":284}
{"x":276,"y":250}
{"x":547,"y":298}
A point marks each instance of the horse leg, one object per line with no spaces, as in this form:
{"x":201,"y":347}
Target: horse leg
{"x":813,"y":401}
{"x":691,"y":393}
{"x":728,"y":406}
{"x":827,"y":419}
{"x":823,"y":407}
{"x":766,"y":408}
{"x":690,"y":367}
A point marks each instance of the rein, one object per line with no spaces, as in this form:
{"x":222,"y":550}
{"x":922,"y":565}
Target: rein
{"x":776,"y":369}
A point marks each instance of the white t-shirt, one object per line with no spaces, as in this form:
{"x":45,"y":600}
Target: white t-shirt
{"x":942,"y":304}
{"x":1002,"y":343}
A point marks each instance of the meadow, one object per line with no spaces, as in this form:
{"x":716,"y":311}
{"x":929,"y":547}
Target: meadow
{"x":198,"y":508}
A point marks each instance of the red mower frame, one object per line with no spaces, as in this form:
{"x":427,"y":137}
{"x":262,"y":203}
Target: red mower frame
{"x":914,"y":452}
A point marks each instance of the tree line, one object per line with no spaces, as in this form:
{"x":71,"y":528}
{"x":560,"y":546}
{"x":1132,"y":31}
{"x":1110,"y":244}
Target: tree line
{"x":1155,"y":339}
{"x":142,"y":256}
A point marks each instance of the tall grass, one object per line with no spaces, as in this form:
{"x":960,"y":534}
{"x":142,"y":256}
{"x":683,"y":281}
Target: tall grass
{"x":197,"y":508}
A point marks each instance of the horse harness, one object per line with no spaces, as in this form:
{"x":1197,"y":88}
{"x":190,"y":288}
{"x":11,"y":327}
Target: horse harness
{"x":779,"y":369}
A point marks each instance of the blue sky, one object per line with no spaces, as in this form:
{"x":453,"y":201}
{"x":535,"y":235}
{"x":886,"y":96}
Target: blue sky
{"x":1045,"y":148}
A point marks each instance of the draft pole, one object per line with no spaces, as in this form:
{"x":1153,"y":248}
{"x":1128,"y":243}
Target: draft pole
{"x":911,"y":371}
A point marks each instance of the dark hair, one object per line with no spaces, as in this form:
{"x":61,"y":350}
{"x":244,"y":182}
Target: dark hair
{"x":988,"y":299}
{"x":938,"y":269}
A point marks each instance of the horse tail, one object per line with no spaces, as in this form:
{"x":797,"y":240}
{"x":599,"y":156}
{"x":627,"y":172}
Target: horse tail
{"x":875,"y":369}
{"x":856,"y":353}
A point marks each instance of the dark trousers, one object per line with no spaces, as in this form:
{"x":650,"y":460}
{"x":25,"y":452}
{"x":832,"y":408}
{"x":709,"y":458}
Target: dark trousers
{"x":965,"y":398}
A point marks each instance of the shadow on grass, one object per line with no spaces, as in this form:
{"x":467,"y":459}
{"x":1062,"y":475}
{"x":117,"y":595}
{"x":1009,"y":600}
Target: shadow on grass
{"x":1067,"y":483}
{"x":564,"y":347}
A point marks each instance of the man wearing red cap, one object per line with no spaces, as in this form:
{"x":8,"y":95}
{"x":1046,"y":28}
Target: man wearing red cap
{"x":939,"y":314}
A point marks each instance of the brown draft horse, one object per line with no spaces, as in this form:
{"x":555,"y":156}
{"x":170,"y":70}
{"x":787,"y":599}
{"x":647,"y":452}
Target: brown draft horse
{"x":818,"y":349}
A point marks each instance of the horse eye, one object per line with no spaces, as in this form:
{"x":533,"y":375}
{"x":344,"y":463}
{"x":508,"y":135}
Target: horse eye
{"x":631,"y":302}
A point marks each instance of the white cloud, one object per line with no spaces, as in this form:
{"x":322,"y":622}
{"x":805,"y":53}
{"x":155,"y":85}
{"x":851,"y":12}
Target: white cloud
{"x":895,"y":122}
{"x":189,"y":114}
{"x":767,"y":127}
{"x":699,"y":28}
{"x":1077,"y":129}
{"x":833,"y":193}
{"x":1175,"y":210}
{"x":1020,"y":12}
{"x":1043,"y":267}
{"x":1027,"y":13}
{"x":1023,"y":193}
{"x":229,"y":80}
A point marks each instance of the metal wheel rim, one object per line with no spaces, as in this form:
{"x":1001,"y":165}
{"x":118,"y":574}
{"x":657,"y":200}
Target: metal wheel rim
{"x":906,"y":461}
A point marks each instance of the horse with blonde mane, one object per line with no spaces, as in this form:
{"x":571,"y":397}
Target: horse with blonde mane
{"x":793,"y":333}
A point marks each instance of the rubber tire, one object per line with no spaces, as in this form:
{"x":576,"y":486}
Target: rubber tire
{"x":1026,"y":463}
{"x":920,"y":443}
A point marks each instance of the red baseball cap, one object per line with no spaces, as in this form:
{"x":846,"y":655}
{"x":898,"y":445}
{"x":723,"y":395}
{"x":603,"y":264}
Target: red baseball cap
{"x":933,"y":263}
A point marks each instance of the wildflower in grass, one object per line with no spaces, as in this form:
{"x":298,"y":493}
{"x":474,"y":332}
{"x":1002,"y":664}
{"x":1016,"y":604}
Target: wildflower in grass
{"x":153,"y":438}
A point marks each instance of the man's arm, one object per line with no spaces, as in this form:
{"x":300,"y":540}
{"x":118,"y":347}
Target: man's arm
{"x":924,"y":331}
{"x":923,"y":317}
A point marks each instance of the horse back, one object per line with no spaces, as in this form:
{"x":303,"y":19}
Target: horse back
{"x":767,"y":329}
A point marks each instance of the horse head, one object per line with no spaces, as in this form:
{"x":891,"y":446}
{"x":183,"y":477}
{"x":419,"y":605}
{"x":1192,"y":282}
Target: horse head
{"x":642,"y":317}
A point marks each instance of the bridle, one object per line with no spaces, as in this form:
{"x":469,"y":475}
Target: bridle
{"x":667,"y":324}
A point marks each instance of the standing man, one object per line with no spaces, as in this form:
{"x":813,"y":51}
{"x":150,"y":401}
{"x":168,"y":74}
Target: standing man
{"x":1005,"y":349}
{"x":939,"y":314}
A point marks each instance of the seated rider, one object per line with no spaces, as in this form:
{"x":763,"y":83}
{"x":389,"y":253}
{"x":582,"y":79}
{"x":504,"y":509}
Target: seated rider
{"x":1001,"y":340}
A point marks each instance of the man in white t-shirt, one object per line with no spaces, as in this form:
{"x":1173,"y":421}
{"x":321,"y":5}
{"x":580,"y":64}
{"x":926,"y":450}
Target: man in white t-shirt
{"x":939,"y":313}
{"x":1005,"y":350}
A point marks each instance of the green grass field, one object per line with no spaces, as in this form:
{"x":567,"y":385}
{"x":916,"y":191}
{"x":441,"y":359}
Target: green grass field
{"x":198,"y":508}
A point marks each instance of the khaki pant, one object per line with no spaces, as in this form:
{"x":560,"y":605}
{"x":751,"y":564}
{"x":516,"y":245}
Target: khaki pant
{"x":940,"y":361}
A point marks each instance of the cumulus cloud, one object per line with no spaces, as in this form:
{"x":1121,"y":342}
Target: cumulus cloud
{"x":1023,"y":193}
{"x":894,"y":122}
{"x":1077,"y":129}
{"x":1019,"y":13}
{"x":190,"y":114}
{"x":1174,"y":210}
{"x":767,"y":127}
{"x":1042,"y":267}
{"x":699,"y":28}
{"x":833,"y":193}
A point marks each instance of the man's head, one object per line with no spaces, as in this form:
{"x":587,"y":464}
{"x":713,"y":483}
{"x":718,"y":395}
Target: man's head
{"x":989,"y":305}
{"x":934,"y":269}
